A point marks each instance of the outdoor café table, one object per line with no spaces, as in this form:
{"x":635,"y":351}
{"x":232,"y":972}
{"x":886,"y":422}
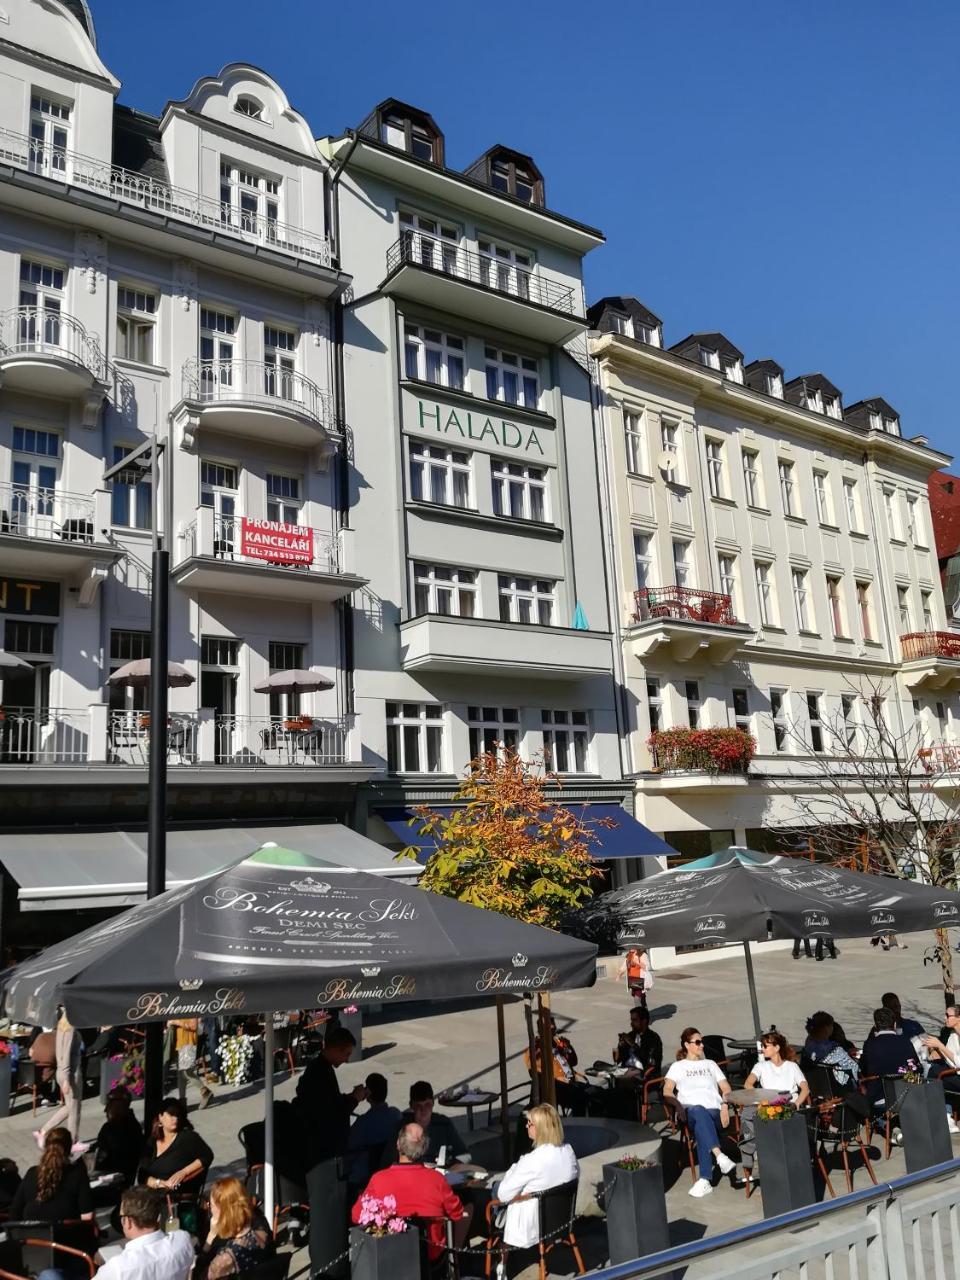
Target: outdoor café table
{"x":750,"y":1097}
{"x":475,"y":1098}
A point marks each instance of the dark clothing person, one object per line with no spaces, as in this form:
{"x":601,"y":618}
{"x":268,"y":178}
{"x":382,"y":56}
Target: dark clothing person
{"x":232,"y":1257}
{"x":325,"y":1112}
{"x":440,"y":1132}
{"x":641,"y":1050}
{"x":884,"y":1054}
{"x":71,"y":1199}
{"x":120,"y":1146}
{"x":806,"y":948}
{"x":186,"y":1147}
{"x":830,"y":945}
{"x":370,"y":1135}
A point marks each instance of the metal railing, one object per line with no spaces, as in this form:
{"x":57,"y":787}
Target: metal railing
{"x":941,"y":757}
{"x":46,"y":513}
{"x":280,"y":741}
{"x":130,"y":188}
{"x":685,"y":604}
{"x":39,"y":332}
{"x":877,"y":1233}
{"x":419,"y":250}
{"x":930,"y":644}
{"x":51,"y":736}
{"x":128,"y":738}
{"x":228,"y":545}
{"x":255,"y":382}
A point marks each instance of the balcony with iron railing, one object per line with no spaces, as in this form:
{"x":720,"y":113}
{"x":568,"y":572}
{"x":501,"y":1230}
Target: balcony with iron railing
{"x":688,"y":623}
{"x":257,"y":399}
{"x":244,"y":554}
{"x":940,"y":758}
{"x":52,"y":353}
{"x":299,"y":741}
{"x":493,"y":290}
{"x":931,"y":660}
{"x":52,"y":531}
{"x":135,"y":190}
{"x":51,"y":736}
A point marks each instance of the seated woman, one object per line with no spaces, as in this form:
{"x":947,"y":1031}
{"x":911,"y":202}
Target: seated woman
{"x":700,"y":1087}
{"x":176,"y":1157}
{"x":239,"y":1238}
{"x":551,"y":1163}
{"x":821,"y":1049}
{"x":119,"y":1143}
{"x":54,"y":1190}
{"x":777,"y":1069}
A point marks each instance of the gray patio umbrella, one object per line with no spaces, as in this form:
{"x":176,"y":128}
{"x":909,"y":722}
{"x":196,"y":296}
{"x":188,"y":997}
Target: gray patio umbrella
{"x":293,"y":682}
{"x":136,"y":675}
{"x":10,"y":662}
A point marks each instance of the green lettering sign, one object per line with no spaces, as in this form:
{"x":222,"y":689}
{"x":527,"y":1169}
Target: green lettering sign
{"x":426,"y":412}
{"x":503,"y":434}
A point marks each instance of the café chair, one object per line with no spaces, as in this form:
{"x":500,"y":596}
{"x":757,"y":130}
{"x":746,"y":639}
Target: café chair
{"x":557,"y":1209}
{"x":447,"y":1266}
{"x":28,"y":1080}
{"x":838,"y":1124}
{"x":41,"y":1251}
{"x":677,"y":1119}
{"x":276,"y":1268}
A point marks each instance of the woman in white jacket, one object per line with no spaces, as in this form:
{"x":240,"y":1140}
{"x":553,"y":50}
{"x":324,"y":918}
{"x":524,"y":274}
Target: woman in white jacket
{"x":551,"y":1163}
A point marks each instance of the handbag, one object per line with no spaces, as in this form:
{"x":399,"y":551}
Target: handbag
{"x":187,"y":1057}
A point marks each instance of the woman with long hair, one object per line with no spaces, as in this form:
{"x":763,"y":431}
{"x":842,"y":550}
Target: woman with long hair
{"x":700,"y":1087}
{"x":776,"y":1069}
{"x":55,"y":1189}
{"x":239,"y":1238}
{"x":551,"y":1163}
{"x":176,"y":1157}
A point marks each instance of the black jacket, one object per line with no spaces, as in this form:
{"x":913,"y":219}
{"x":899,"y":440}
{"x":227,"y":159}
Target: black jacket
{"x":883,"y":1055}
{"x":325,"y":1112}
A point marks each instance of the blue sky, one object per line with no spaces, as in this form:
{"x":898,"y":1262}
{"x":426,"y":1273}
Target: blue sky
{"x":786,"y":174}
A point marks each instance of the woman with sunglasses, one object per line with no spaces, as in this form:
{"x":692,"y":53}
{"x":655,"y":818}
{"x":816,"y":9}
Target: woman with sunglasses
{"x":776,"y":1069}
{"x":700,"y":1087}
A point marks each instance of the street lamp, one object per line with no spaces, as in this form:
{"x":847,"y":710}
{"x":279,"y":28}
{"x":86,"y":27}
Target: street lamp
{"x":146,"y":457}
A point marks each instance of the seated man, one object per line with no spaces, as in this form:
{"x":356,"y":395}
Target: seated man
{"x":906,"y":1026}
{"x":371,"y":1132}
{"x":885,"y":1053}
{"x":640,"y":1047}
{"x":419,"y":1192}
{"x":571,"y":1087}
{"x":149,"y":1251}
{"x":440,"y":1129}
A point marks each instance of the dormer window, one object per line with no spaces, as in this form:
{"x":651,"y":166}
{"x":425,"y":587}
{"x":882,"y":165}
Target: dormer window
{"x":619,"y":323}
{"x":815,"y":401}
{"x":775,"y":385}
{"x":709,"y":358}
{"x":733,"y":369}
{"x":832,"y":407}
{"x":248,"y":106}
{"x":876,"y":422}
{"x":646,"y":333}
{"x":891,"y":426}
{"x":513,"y":179}
{"x":408,"y":135}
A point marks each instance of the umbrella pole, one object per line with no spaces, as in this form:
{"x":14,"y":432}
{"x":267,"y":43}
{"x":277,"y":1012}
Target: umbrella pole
{"x":268,"y":1178}
{"x":752,"y":984}
{"x":504,"y":1098}
{"x":547,"y":1082}
{"x":532,"y":1049}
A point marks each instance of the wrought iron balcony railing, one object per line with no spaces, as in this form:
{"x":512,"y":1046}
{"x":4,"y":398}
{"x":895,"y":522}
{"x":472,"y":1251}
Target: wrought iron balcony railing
{"x":684,"y":604}
{"x":941,"y":757}
{"x":418,"y":250}
{"x":930,"y":644}
{"x":227,"y":544}
{"x":279,"y":741}
{"x":256,"y":382}
{"x":128,"y":738}
{"x":46,"y":513}
{"x":52,"y":736}
{"x":135,"y":189}
{"x":42,"y":332}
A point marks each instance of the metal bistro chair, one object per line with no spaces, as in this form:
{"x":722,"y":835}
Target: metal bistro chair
{"x":41,"y":1249}
{"x":557,"y":1209}
{"x":838,"y":1124}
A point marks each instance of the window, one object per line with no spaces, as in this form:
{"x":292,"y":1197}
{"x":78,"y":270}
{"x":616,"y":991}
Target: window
{"x":836,"y":604}
{"x":915,"y":521}
{"x":280,"y":362}
{"x":619,"y":323}
{"x":815,"y":400}
{"x":283,"y":498}
{"x":284,"y":655}
{"x":431,"y":243}
{"x":41,"y":290}
{"x":926,"y":610}
{"x":942,"y":719}
{"x":526,"y":600}
{"x":670,"y":445}
{"x":130,"y":498}
{"x":218,"y":491}
{"x":217,"y":330}
{"x":733,"y":370}
{"x":219,"y":651}
{"x":821,"y":488}
{"x":681,"y":562}
{"x":34,"y":470}
{"x":816,"y":724}
{"x":801,"y":601}
{"x":765,"y":592}
{"x":633,"y":435}
{"x":903,"y":609}
{"x":787,"y":490}
{"x":714,"y":450}
{"x":519,"y":490}
{"x":775,"y":385}
{"x":752,"y":479}
{"x":727,"y":569}
{"x":433,"y":356}
{"x":514,"y":179}
{"x":414,"y":737}
{"x":741,"y":710}
{"x":864,"y":610}
{"x":643,"y":558}
{"x":408,"y":135}
{"x":504,"y":268}
{"x":493,"y":730}
{"x":892,"y":514}
{"x":49,"y":134}
{"x":249,"y":200}
{"x":512,"y":378}
{"x":127,"y":646}
{"x":832,"y":407}
{"x":891,"y":426}
{"x":778,"y":716}
{"x":848,"y":715}
{"x":36,"y":639}
{"x":709,"y":358}
{"x":566,"y":740}
{"x":136,"y":321}
{"x":445,"y":590}
{"x":440,"y":475}
{"x":654,"y":705}
{"x":851,"y":501}
{"x":248,"y":106}
{"x":46,"y":444}
{"x":691,"y":689}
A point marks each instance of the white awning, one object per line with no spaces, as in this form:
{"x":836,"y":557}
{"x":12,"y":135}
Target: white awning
{"x":80,"y":869}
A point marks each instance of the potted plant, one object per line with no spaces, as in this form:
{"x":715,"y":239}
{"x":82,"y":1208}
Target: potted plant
{"x":636,"y":1208}
{"x":783,"y":1152}
{"x":382,"y":1245}
{"x":712,"y":751}
{"x":922,"y":1113}
{"x":122,"y":1070}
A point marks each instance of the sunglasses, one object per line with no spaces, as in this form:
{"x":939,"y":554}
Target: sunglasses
{"x":694,"y":1042}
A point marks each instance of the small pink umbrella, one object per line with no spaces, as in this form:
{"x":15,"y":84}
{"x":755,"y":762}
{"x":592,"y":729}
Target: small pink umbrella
{"x":136,"y":675}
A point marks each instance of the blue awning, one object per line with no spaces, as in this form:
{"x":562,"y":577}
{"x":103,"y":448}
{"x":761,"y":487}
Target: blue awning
{"x":628,"y":839}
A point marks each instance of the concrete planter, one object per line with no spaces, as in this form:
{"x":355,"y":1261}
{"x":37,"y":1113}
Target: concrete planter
{"x":923,"y":1120}
{"x":384,"y":1257}
{"x":636,"y":1212}
{"x":786,"y":1168}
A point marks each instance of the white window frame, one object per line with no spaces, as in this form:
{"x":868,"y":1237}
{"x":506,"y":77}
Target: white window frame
{"x":505,"y":267}
{"x":280,"y":347}
{"x":742,"y":720}
{"x":851,"y":500}
{"x":834,"y":585}
{"x":821,"y":490}
{"x":644,"y":558}
{"x":670,"y":443}
{"x":892,"y":512}
{"x":775,"y":385}
{"x":926,"y":610}
{"x":786,"y":470}
{"x":520,"y":491}
{"x":799,"y":579}
{"x":849,"y":720}
{"x":136,"y":497}
{"x":904,"y":609}
{"x":136,"y":327}
{"x":682,"y":567}
{"x":765,"y":580}
{"x":567,"y":739}
{"x":218,"y":347}
{"x":284,"y":496}
{"x":507,"y":372}
{"x":713,"y":448}
{"x":447,"y":590}
{"x":35,"y":477}
{"x":521,"y":595}
{"x":709,"y":358}
{"x":727,"y":575}
{"x":752,"y":477}
{"x":51,"y":127}
{"x":434,"y":467}
{"x":428,"y":351}
{"x":691,"y":696}
{"x":865,"y":608}
{"x":733,"y":370}
{"x":635,"y":439}
{"x":778,"y":695}
{"x":654,"y":703}
{"x":813,"y":700}
{"x":493,"y":734}
{"x":425,"y":741}
{"x":250,"y":199}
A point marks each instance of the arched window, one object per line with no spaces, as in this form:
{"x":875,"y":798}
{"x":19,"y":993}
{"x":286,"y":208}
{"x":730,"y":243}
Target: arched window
{"x":249,"y":106}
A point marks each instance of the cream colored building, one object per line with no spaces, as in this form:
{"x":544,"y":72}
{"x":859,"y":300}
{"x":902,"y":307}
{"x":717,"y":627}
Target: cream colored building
{"x":772,"y":553}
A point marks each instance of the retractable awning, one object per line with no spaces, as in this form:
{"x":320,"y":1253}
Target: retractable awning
{"x":81,"y":869}
{"x":628,"y":839}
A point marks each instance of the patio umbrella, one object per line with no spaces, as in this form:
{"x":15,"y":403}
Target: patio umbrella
{"x":293,"y":682}
{"x":741,"y":896}
{"x":281,"y":930}
{"x":136,"y":675}
{"x":10,"y":661}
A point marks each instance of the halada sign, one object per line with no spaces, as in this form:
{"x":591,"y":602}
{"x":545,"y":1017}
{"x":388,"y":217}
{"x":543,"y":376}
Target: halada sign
{"x":463,"y":424}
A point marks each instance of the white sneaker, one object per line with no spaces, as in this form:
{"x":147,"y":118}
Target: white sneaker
{"x":724,"y":1163}
{"x":700,"y":1188}
{"x":952,"y":1125}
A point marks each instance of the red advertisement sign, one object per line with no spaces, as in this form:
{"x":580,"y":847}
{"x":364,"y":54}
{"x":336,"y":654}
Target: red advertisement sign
{"x":276,"y":541}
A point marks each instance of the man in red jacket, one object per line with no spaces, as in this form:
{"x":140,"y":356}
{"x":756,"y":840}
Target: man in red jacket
{"x":419,"y":1192}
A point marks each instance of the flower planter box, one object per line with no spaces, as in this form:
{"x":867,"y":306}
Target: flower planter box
{"x":395,"y":1257}
{"x":923,"y":1121}
{"x":786,"y":1166}
{"x":636,"y":1212}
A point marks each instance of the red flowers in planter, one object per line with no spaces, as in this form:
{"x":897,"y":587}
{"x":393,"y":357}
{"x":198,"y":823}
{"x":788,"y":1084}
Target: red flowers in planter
{"x":706,"y":750}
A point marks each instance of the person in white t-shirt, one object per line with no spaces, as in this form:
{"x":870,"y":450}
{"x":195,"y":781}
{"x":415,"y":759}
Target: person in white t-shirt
{"x":700,"y":1087}
{"x":778,"y":1070}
